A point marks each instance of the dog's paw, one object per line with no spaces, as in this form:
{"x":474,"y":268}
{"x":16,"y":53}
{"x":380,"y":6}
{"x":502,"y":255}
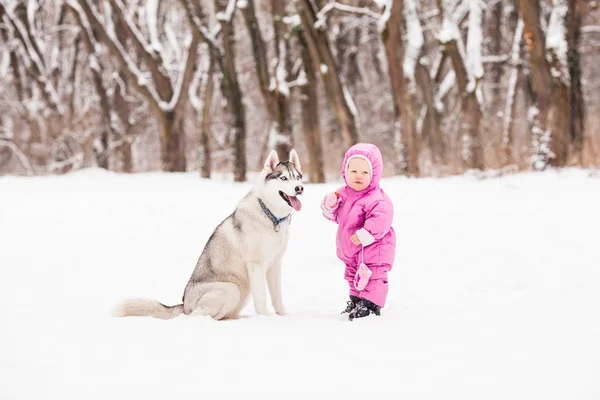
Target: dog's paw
{"x":281,"y":312}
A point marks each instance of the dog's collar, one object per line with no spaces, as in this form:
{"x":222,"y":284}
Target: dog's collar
{"x":276,"y":221}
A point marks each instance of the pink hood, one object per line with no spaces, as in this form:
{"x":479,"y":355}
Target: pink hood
{"x":373,"y":155}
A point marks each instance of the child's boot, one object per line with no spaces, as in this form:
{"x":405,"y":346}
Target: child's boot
{"x":351,"y":304}
{"x":364,"y":308}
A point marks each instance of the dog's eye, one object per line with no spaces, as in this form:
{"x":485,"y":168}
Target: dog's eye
{"x":284,"y":178}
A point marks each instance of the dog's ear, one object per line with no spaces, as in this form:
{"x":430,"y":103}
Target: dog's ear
{"x":272,"y":160}
{"x":294,"y":159}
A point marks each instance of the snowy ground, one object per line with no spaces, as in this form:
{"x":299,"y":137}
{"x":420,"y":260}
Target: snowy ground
{"x":494,"y":294}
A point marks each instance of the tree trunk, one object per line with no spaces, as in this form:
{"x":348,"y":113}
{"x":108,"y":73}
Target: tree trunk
{"x":552,"y":96}
{"x":472,"y":154}
{"x":172,"y":141}
{"x":205,"y":131}
{"x":310,"y":115}
{"x":123,"y":157}
{"x":280,"y":90}
{"x":514,"y":83}
{"x":576,"y":126}
{"x":431,"y":130}
{"x":406,"y":141}
{"x":234,"y":95}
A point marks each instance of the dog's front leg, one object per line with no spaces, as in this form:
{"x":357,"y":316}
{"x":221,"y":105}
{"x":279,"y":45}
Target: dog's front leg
{"x":274,"y":282}
{"x":257,"y":275}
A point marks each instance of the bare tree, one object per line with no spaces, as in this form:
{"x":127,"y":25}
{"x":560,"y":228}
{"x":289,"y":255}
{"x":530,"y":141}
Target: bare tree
{"x":167,"y":101}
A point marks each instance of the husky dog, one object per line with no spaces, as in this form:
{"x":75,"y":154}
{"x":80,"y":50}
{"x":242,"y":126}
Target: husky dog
{"x":244,"y":251}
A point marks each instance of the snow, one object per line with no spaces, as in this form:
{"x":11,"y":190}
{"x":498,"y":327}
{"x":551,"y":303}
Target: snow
{"x":493,"y":295}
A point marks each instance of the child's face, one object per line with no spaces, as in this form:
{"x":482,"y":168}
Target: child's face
{"x":358,"y":175}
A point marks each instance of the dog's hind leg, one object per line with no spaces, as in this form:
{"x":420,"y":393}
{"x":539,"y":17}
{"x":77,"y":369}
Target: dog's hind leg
{"x":216,"y":299}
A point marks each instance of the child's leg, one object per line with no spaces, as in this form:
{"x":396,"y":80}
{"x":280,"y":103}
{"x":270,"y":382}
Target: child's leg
{"x":349,"y":276}
{"x":376,"y":290}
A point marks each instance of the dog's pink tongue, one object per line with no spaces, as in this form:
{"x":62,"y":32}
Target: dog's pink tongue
{"x":295,"y":203}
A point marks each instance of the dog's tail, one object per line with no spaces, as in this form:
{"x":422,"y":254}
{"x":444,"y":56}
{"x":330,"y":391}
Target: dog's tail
{"x":146,"y":308}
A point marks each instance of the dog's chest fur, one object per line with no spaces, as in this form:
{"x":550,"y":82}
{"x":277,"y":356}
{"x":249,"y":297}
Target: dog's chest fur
{"x":263,"y":244}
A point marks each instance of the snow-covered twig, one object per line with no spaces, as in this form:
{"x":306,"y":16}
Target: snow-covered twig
{"x":590,"y":29}
{"x":347,"y":9}
{"x":495,"y":59}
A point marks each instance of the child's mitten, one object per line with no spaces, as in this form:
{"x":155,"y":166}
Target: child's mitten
{"x":329,"y":204}
{"x":363,"y":274}
{"x":331,"y":201}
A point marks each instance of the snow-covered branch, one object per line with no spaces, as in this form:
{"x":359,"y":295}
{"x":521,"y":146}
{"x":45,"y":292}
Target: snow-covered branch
{"x":556,"y":41}
{"x":474,"y":44}
{"x":152,"y":22}
{"x":362,"y":11}
{"x":414,"y":39}
{"x":227,"y":15}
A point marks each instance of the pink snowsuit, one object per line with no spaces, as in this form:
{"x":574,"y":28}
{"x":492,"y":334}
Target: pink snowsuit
{"x":368,"y":213}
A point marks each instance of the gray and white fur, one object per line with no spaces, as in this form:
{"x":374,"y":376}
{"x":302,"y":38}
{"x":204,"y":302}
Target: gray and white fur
{"x":243,"y":256}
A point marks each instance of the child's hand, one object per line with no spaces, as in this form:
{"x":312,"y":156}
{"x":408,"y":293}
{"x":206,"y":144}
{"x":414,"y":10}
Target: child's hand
{"x":354,"y":238}
{"x":331,"y":202}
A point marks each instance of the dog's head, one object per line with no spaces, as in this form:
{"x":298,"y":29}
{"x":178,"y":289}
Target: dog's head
{"x":282,"y":183}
